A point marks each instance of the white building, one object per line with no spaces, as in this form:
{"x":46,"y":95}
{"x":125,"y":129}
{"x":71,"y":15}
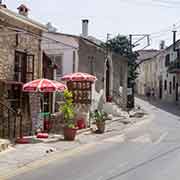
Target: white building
{"x":155,"y":73}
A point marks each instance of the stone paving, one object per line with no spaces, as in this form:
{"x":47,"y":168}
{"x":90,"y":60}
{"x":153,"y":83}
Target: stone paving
{"x":22,"y":154}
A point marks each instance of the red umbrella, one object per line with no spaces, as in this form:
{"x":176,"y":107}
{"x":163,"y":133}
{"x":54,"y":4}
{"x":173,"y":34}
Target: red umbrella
{"x":79,"y":76}
{"x":43,"y":85}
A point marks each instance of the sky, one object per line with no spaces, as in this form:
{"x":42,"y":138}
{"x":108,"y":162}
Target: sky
{"x":154,"y":17}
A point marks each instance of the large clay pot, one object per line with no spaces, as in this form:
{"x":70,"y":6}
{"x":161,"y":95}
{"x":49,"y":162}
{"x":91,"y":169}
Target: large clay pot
{"x":69,"y":133}
{"x":100,"y":126}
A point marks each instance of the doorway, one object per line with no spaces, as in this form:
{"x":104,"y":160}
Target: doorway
{"x":160,"y":89}
{"x":177,"y":98}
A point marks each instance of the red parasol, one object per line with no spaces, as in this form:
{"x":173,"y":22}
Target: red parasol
{"x":44,"y":85}
{"x":79,"y":76}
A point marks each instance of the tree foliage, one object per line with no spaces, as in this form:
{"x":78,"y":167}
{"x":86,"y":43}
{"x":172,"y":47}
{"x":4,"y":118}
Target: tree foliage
{"x":121,"y":45}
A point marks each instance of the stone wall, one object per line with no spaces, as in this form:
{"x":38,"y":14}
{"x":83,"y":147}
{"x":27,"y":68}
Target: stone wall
{"x":8,"y":45}
{"x":88,"y":53}
{"x":120,"y":72}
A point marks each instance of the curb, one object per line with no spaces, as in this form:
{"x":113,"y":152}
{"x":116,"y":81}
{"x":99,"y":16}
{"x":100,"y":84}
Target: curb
{"x":83,"y":131}
{"x":144,"y":120}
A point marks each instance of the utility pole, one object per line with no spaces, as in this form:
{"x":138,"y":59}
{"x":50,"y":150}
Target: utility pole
{"x":108,"y":36}
{"x":131,"y":83}
{"x":130,"y":94}
{"x":174,"y":38}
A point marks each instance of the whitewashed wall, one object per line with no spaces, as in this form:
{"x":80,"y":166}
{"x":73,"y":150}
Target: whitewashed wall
{"x":64,"y":45}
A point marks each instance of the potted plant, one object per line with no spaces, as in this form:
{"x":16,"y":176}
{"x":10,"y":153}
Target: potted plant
{"x":68,"y":113}
{"x":100,"y":117}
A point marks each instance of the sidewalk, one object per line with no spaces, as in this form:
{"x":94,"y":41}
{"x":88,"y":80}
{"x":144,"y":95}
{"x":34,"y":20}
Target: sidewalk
{"x":23,"y":154}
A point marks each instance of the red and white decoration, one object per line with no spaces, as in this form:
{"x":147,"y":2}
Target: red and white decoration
{"x":79,"y":76}
{"x":44,"y":85}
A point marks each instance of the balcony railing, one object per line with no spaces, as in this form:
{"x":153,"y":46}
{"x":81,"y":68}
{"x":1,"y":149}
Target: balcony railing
{"x":174,"y":66}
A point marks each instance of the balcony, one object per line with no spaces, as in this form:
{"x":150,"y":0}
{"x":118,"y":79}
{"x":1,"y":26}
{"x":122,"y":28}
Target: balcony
{"x":174,"y":66}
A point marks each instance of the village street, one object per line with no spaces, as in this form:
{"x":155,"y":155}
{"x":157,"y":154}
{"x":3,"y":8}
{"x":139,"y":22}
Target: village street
{"x":147,"y":151}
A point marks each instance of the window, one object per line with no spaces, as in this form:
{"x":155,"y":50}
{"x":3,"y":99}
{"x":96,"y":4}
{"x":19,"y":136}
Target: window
{"x":58,"y":62}
{"x":170,"y":87}
{"x":23,"y":67}
{"x":74,"y":61}
{"x":165,"y":85}
{"x":91,"y":62}
{"x":19,"y":66}
{"x":167,"y":60}
{"x":174,"y":82}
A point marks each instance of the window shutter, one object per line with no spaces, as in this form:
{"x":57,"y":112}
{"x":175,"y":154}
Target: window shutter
{"x":58,"y":61}
{"x":29,"y":68}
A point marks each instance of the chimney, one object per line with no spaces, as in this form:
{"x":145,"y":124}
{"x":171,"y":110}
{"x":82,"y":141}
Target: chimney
{"x":2,"y":5}
{"x":85,"y":27}
{"x":162,"y":45}
{"x":23,"y":10}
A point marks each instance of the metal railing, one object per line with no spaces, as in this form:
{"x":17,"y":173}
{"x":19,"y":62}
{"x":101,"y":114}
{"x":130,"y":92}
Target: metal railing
{"x":10,"y":122}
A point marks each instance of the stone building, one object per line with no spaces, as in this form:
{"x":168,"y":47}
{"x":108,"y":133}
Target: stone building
{"x":20,"y":62}
{"x":84,"y":54}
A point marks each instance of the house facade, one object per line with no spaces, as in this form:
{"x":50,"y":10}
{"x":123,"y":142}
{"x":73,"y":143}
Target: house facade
{"x":20,"y":62}
{"x":147,"y":71}
{"x":84,"y":54}
{"x":158,"y":72}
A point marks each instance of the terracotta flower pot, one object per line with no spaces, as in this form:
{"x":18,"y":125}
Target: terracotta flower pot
{"x":100,"y":126}
{"x":69,"y":133}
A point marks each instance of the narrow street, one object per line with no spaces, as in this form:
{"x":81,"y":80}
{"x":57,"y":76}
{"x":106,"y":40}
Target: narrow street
{"x":149,"y":151}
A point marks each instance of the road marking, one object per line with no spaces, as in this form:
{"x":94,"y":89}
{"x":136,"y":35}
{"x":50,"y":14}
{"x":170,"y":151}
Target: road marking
{"x":142,"y":139}
{"x":161,"y":138}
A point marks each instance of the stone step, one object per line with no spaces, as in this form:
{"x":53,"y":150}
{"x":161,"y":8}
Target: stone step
{"x":112,"y":108}
{"x":4,"y":144}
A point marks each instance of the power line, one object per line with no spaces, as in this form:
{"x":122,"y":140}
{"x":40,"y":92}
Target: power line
{"x":167,"y":2}
{"x":140,"y":3}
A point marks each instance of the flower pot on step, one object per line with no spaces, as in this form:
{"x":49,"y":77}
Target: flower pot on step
{"x":100,"y":126}
{"x":69,"y":133}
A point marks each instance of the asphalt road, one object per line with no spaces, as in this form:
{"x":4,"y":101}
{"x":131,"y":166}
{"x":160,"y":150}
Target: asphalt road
{"x":147,"y":152}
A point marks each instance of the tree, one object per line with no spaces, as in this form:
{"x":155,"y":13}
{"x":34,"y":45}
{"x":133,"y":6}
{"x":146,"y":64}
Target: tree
{"x":121,"y":45}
